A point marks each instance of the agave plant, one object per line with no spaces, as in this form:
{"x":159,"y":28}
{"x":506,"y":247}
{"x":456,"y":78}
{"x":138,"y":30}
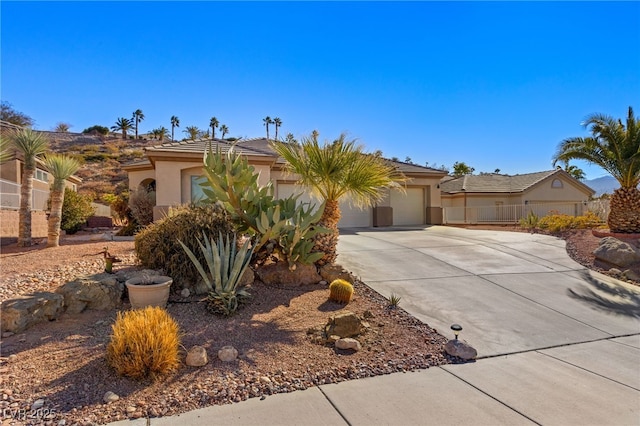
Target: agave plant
{"x":225,"y":265}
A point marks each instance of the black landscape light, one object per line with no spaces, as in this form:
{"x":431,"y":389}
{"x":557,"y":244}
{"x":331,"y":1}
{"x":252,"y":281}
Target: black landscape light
{"x":457,"y":328}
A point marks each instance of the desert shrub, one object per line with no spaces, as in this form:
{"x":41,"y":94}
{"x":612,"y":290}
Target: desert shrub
{"x":144,"y":342}
{"x":141,"y":203}
{"x":76,"y":209}
{"x":556,"y":222}
{"x":157,"y":245}
{"x":97,"y":130}
{"x":340,"y":291}
{"x":530,"y":222}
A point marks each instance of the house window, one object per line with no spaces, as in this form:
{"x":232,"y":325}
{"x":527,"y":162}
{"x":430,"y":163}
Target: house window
{"x":42,"y":175}
{"x":557,"y":183}
{"x":197,"y":194}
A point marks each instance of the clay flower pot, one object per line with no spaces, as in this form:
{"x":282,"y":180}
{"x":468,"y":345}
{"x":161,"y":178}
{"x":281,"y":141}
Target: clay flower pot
{"x":149,"y":291}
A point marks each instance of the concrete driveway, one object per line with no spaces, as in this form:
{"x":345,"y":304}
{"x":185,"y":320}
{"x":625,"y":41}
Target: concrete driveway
{"x":510,"y":291}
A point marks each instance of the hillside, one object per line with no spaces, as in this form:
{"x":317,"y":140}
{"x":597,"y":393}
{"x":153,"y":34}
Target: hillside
{"x":101,"y":157}
{"x":602,"y":185}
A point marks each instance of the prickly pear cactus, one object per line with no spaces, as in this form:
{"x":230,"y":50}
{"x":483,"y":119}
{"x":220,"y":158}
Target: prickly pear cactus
{"x":340,"y":291}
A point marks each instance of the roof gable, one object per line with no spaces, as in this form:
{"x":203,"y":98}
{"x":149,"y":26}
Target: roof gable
{"x":497,"y":183}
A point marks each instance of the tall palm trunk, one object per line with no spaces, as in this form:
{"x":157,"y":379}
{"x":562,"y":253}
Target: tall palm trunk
{"x":328,"y":243}
{"x":26,"y":189}
{"x":55,"y":216}
{"x":624,"y":213}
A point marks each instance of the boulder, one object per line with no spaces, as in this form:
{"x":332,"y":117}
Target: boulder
{"x":280,"y":274}
{"x":227,"y":354}
{"x":248,"y":277}
{"x":348,"y":343}
{"x":197,"y":357}
{"x":616,"y":252}
{"x":16,"y":315}
{"x":345,"y":324}
{"x":99,"y":292}
{"x":334,"y":272}
{"x":460,"y":349}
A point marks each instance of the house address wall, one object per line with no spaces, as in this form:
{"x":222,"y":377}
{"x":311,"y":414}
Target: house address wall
{"x":9,"y":220}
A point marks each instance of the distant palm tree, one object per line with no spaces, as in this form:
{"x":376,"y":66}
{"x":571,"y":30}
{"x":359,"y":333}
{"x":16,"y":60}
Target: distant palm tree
{"x":32,"y":145}
{"x":267,"y":120}
{"x":575,"y":171}
{"x":277,"y":122}
{"x":175,"y":122}
{"x":616,"y":148}
{"x":213,"y":123}
{"x":61,"y":167}
{"x":224,"y":130}
{"x":122,"y":125}
{"x":138,"y":116}
{"x":334,"y":171}
{"x":62,"y":127}
{"x":163,"y":132}
{"x":192,"y":131}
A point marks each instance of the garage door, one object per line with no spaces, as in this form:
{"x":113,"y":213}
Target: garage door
{"x":352,"y":217}
{"x":409,"y":208}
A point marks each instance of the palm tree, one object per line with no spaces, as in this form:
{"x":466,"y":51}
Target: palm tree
{"x":5,"y":149}
{"x":277,"y":122}
{"x":62,"y":127}
{"x":267,"y":120}
{"x":224,"y":130}
{"x":31,"y":144}
{"x":138,"y":116}
{"x":192,"y":131}
{"x":460,"y":168}
{"x":122,"y":125}
{"x":334,"y":171}
{"x":61,"y":167}
{"x":575,"y":171}
{"x":213,"y":123}
{"x":289,"y":138}
{"x":163,"y":132}
{"x":175,"y":122}
{"x":616,"y":148}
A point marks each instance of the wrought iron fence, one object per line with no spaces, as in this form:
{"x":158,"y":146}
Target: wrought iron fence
{"x":508,"y":214}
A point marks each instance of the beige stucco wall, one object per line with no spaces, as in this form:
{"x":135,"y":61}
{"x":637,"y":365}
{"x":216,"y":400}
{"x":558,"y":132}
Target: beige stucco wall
{"x":138,"y":176}
{"x":544,"y":192}
{"x":10,"y":171}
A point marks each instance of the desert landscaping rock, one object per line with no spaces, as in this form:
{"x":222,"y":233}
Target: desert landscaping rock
{"x":228,"y":354}
{"x":16,"y":315}
{"x":460,"y":349}
{"x":197,"y":357}
{"x":345,"y":324}
{"x":330,"y":273}
{"x":185,"y":293}
{"x":348,"y":343}
{"x":110,"y":397}
{"x":99,"y":292}
{"x":616,"y":252}
{"x":280,"y":274}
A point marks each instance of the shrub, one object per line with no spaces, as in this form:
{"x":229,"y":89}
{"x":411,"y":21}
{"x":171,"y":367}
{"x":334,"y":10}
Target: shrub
{"x":97,"y":130}
{"x":141,"y":203}
{"x":157,"y":245}
{"x":145,"y":342}
{"x":225,"y":265}
{"x":531,"y":221}
{"x":340,"y":291}
{"x":556,"y":222}
{"x":76,"y":209}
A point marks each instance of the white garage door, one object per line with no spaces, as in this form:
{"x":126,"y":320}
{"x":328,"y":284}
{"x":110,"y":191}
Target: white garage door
{"x":409,"y":208}
{"x":352,"y":217}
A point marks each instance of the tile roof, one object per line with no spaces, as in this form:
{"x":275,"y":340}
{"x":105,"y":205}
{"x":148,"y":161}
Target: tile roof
{"x":256,"y":147}
{"x":496,"y":183}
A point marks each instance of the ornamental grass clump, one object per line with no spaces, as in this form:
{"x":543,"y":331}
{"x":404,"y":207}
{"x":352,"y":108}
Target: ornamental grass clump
{"x":144,"y":343}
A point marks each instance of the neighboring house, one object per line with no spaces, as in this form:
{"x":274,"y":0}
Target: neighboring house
{"x":497,"y":198}
{"x":11,"y":180}
{"x":174,"y":170}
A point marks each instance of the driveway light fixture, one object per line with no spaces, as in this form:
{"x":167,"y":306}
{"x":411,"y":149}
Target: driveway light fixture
{"x":456,"y":329}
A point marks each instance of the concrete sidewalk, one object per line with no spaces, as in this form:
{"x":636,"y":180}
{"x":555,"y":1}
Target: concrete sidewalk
{"x":557,"y":344}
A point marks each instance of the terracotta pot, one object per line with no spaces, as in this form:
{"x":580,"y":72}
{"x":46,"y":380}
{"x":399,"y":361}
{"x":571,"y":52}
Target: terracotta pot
{"x":143,"y":294}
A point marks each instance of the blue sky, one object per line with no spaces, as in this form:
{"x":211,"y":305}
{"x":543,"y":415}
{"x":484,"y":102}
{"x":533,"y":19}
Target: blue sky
{"x":496,"y":85}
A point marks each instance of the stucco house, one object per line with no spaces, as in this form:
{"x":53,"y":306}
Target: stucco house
{"x":502,"y":198}
{"x":174,"y":170}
